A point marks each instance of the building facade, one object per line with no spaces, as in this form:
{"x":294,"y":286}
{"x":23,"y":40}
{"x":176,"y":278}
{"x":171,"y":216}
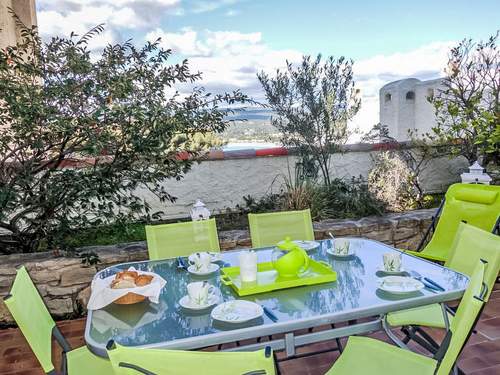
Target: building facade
{"x":24,"y":9}
{"x":404,"y":106}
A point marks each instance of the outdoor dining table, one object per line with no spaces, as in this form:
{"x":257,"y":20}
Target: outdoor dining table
{"x":351,"y":298}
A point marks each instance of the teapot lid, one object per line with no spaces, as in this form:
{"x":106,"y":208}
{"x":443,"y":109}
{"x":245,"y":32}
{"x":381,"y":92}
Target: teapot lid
{"x":287,"y":244}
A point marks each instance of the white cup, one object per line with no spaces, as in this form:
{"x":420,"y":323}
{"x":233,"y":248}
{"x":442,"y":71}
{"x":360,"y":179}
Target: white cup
{"x":341,"y":246}
{"x":199,"y":292}
{"x":248,"y":266}
{"x":201,"y":261}
{"x":392,"y":262}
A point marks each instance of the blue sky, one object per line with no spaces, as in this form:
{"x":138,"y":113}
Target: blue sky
{"x":230,"y":40}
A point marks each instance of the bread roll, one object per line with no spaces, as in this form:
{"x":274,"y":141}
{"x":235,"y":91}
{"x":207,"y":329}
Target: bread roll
{"x":122,"y":284}
{"x":143,"y":280}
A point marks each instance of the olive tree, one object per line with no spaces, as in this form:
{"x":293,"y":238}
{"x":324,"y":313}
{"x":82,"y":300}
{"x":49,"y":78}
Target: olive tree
{"x":312,"y":102}
{"x":467,"y":106}
{"x":80,"y":133}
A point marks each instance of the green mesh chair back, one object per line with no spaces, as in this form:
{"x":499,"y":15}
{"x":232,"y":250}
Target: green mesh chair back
{"x":470,"y":245}
{"x":181,"y":239}
{"x":466,"y":317}
{"x":29,"y":311}
{"x":129,"y":361}
{"x":477,"y":205}
{"x":270,"y":228}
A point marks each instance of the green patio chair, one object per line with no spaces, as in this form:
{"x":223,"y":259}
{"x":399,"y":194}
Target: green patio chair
{"x":474,"y":204}
{"x":31,"y":315}
{"x":181,"y":239}
{"x":270,"y":228}
{"x":130,"y":361}
{"x":470,"y":245}
{"x":364,"y":355}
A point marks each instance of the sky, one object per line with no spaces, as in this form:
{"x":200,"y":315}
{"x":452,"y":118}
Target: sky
{"x":229,"y":41}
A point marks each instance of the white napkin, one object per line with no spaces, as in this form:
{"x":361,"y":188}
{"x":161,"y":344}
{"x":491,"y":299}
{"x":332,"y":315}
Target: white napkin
{"x":102,"y":294}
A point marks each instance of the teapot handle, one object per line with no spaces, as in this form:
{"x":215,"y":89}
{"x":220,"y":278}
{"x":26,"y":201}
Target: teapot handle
{"x":306,"y":260}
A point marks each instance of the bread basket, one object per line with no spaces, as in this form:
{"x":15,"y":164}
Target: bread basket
{"x":129,"y":299}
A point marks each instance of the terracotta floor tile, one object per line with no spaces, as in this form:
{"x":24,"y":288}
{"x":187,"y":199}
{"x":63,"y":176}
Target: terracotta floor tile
{"x":490,"y":328}
{"x":481,"y":356}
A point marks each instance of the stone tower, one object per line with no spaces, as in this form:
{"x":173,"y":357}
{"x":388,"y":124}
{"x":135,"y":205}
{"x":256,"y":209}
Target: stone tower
{"x":25,"y":10}
{"x":404,"y":106}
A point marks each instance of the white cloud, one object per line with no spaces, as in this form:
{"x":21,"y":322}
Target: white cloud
{"x":426,"y":62}
{"x":228,"y":59}
{"x":204,"y":6}
{"x":61,"y":17}
{"x":232,"y":13}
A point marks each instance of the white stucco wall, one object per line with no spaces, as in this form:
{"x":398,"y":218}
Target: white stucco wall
{"x":401,"y":114}
{"x":223,"y":183}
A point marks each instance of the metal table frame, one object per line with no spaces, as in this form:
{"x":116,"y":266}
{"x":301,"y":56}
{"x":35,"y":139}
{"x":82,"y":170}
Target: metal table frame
{"x":291,"y":341}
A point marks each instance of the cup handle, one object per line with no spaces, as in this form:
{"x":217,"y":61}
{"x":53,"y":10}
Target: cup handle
{"x":211,"y":290}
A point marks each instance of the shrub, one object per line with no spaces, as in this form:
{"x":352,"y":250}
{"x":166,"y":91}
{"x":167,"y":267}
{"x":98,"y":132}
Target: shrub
{"x":391,"y":181}
{"x":112,"y":115}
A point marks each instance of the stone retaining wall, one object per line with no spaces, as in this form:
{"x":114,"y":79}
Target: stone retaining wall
{"x":64,"y":282}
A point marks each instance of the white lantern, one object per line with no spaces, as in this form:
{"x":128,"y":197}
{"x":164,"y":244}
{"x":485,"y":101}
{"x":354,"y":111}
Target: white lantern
{"x":200,"y":211}
{"x":476,"y":175}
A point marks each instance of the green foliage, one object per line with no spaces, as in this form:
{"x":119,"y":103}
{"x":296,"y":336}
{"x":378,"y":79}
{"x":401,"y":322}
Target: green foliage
{"x":395,"y":177}
{"x":313,"y":103}
{"x":345,"y":199}
{"x":118,"y":232}
{"x":467,"y":108}
{"x":90,"y":258}
{"x":340,"y":200}
{"x":111,"y":114}
{"x":393,"y":182}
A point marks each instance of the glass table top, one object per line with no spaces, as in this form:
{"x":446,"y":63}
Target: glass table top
{"x":355,"y":294}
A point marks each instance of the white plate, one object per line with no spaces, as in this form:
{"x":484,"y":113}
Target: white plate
{"x":216,"y":257}
{"x":334,"y":254}
{"x":306,"y":245}
{"x":186,"y":303}
{"x":381,"y":269}
{"x":213,"y":268}
{"x":238,"y":311}
{"x":400,"y":284}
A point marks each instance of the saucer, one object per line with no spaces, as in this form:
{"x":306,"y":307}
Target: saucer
{"x":305,"y":245}
{"x":212,"y":268}
{"x":215,"y":256}
{"x":382,"y":270}
{"x":237,"y":311}
{"x":340,"y":256}
{"x":400,"y":285}
{"x":186,"y":303}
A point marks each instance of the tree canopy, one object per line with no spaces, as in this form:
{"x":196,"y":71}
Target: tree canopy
{"x":80,"y":132}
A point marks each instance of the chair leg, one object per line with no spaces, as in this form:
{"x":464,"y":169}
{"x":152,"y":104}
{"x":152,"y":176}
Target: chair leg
{"x":337,"y":340}
{"x":427,"y":338}
{"x":407,"y":337}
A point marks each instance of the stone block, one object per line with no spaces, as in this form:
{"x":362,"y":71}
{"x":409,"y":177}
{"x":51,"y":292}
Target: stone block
{"x":83,"y":297}
{"x":337,"y":228}
{"x":404,"y":233}
{"x":385,"y":236}
{"x":59,"y":307}
{"x":77,"y":275}
{"x":58,"y":292}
